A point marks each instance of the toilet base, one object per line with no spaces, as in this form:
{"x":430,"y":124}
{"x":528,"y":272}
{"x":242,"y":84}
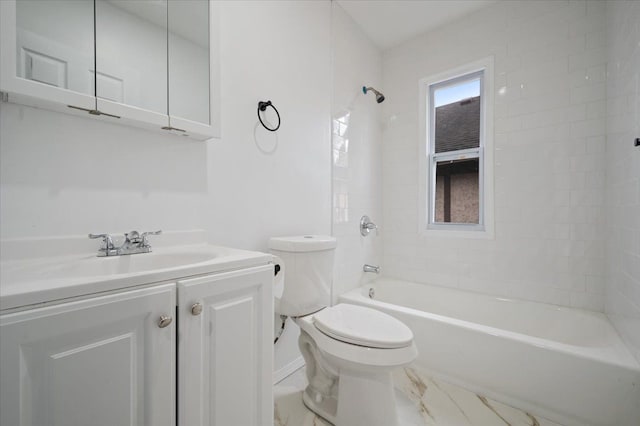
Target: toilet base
{"x":363,"y":400}
{"x":325,"y":407}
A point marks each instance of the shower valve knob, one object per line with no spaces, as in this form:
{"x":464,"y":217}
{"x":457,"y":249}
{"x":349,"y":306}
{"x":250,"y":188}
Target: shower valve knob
{"x":366,"y":226}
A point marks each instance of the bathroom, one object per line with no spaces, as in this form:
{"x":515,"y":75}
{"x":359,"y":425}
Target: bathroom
{"x":565,"y":225}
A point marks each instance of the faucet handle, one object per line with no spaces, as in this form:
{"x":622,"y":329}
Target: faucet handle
{"x":144,"y":242}
{"x":107,"y":241}
{"x":366,"y":226}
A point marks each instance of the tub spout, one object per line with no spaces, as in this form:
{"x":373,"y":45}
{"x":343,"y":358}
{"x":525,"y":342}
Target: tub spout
{"x":371,"y":268}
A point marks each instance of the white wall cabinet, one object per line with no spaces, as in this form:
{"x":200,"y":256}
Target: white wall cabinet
{"x":47,"y":63}
{"x":153,"y":65}
{"x":106,"y":360}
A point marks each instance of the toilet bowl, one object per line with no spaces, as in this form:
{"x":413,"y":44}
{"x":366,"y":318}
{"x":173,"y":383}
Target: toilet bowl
{"x":350,"y":351}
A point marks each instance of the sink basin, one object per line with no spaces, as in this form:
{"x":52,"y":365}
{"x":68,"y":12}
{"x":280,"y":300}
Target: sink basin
{"x":92,"y":266}
{"x":115,"y":265}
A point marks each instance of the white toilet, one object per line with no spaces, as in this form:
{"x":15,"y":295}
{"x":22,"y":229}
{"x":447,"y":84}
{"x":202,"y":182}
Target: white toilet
{"x":349,"y":350}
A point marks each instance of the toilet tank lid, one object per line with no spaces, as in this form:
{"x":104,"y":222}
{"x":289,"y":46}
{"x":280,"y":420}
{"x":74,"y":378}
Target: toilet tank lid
{"x":303,"y":243}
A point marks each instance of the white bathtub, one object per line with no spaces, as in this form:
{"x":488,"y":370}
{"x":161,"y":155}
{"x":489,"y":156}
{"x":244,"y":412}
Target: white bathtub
{"x":566,"y":364}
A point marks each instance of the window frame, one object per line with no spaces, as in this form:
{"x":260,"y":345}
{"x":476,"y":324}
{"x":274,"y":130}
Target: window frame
{"x":483,"y":70}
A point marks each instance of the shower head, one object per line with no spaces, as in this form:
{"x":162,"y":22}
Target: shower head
{"x":379,"y":96}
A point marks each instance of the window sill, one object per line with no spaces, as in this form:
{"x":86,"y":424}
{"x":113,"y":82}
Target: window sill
{"x":457,"y":233}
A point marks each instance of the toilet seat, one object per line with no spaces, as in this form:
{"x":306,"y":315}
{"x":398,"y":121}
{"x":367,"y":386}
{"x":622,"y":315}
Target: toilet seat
{"x":357,"y":355}
{"x":362,"y":326}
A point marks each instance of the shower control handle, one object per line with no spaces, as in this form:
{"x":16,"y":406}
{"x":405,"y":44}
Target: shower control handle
{"x":366,"y":226}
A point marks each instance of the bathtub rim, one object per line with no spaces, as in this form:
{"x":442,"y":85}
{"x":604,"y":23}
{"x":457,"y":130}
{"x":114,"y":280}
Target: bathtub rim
{"x":625,"y":360}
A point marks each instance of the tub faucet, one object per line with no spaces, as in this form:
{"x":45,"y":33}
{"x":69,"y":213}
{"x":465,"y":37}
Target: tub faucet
{"x":371,"y":268}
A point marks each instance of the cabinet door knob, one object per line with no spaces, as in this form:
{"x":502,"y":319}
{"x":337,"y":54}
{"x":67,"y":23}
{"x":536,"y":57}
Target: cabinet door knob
{"x":164,"y":321}
{"x":196,"y":308}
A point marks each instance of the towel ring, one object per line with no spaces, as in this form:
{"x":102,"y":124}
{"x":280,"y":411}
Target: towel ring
{"x":262,"y":106}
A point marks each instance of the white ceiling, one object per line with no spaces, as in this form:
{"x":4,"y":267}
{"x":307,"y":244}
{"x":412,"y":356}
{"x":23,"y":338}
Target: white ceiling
{"x":390,"y":22}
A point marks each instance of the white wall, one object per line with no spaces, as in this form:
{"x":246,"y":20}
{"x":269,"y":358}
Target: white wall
{"x":549,"y":140}
{"x":357,"y":167}
{"x":622,"y":200}
{"x":63,"y":175}
{"x":265,"y":184}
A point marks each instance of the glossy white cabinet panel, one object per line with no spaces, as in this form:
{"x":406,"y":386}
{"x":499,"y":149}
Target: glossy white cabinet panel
{"x":51,"y":64}
{"x":100,"y":361}
{"x":225,"y":352}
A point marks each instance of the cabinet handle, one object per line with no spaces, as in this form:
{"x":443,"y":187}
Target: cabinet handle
{"x":164,"y":321}
{"x":173,"y":128}
{"x":93,"y":111}
{"x":196,"y":308}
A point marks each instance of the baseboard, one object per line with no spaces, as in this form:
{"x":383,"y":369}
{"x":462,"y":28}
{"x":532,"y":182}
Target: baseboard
{"x":287,"y":370}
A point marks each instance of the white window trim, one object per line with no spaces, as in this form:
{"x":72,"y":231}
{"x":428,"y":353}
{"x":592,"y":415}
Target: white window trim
{"x":485,"y":153}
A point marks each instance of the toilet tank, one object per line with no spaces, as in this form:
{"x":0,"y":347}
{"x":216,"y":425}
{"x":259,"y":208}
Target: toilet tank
{"x":307,"y":271}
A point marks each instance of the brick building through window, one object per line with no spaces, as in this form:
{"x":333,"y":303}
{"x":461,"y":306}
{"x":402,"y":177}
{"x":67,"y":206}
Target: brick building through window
{"x":457,"y":195}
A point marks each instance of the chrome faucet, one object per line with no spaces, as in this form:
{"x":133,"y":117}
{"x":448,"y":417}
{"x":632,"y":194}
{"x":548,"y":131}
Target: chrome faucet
{"x":106,"y":248}
{"x":134,"y":243}
{"x":366,"y":226}
{"x":371,"y":268}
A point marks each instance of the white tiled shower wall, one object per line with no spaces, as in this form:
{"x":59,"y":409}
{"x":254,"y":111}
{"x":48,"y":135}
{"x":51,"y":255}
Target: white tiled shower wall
{"x":356,"y":141}
{"x":622,"y":200}
{"x":549,"y":141}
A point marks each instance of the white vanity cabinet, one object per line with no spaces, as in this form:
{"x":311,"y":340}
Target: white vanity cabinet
{"x":225,"y":351}
{"x":98,"y":361}
{"x":111,"y":360}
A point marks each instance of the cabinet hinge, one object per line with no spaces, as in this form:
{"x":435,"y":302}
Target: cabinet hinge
{"x":4,"y":97}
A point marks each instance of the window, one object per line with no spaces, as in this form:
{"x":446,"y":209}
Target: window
{"x":455,"y":165}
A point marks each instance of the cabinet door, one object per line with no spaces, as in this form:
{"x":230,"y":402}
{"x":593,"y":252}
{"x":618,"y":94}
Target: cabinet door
{"x":131,"y":60}
{"x":225,"y":350}
{"x":97,"y":362}
{"x":47,"y":51}
{"x":194,"y":81}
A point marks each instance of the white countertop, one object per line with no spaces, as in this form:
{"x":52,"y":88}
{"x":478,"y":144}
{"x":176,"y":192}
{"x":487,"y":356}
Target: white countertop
{"x":36,"y":280}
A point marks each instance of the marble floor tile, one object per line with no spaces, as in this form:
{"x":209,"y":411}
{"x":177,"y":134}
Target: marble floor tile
{"x":444,"y":404}
{"x":421,"y":400}
{"x":289,"y":409}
